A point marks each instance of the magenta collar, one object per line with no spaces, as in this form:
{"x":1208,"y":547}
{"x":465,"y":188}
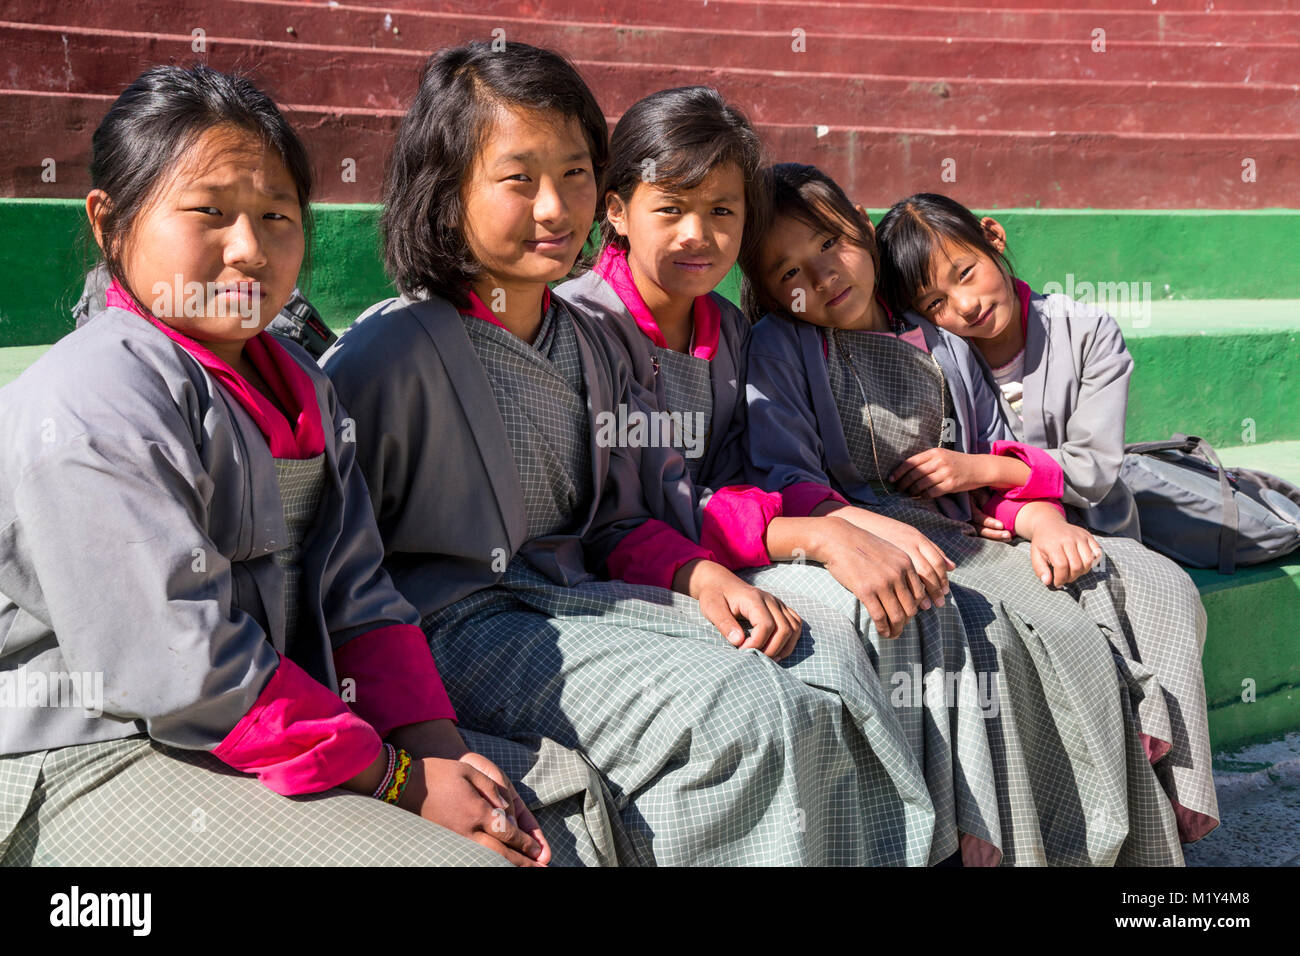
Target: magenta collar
{"x":304,"y":438}
{"x":707,"y":315}
{"x":479,"y":310}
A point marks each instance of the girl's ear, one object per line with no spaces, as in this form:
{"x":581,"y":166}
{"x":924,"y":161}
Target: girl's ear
{"x":97,"y":203}
{"x":616,"y":212}
{"x":995,"y":233}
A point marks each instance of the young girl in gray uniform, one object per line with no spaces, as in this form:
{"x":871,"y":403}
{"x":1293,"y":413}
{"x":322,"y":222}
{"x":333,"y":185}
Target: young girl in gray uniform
{"x":1061,"y":371}
{"x":882,"y":408}
{"x":682,"y":195}
{"x":483,"y":408}
{"x":190,"y":571}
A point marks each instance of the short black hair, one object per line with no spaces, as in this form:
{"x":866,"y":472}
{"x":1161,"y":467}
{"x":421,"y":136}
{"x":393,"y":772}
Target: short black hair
{"x":808,"y":195}
{"x":908,"y":236}
{"x":683,"y":134}
{"x":461,"y":89}
{"x":155,"y":123}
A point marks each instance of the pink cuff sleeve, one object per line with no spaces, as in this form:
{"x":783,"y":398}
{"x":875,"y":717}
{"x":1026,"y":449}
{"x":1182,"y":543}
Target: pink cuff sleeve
{"x":735,"y":525}
{"x":1005,"y":509}
{"x":1046,"y":480}
{"x":396,"y":680}
{"x":1046,"y":483}
{"x":652,"y":553}
{"x":799,"y":500}
{"x":299,"y":737}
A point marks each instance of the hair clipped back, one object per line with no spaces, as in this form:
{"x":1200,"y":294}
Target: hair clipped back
{"x":806,"y":194}
{"x":913,"y":230}
{"x":461,"y":90}
{"x":674,"y":139}
{"x":154,"y":124}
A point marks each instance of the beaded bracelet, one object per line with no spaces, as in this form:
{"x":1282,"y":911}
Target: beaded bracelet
{"x":401,"y":777}
{"x":388,"y":775}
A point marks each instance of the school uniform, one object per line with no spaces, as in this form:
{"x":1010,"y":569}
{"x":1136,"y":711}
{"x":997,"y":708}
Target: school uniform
{"x":1073,"y":404}
{"x":841,"y":410}
{"x":499,"y":503}
{"x":216,"y":566}
{"x":706,"y":386}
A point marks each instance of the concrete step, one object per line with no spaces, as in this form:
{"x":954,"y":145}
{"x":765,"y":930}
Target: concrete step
{"x":876,"y":165}
{"x":815,"y":50}
{"x":103,"y":61}
{"x":406,"y":24}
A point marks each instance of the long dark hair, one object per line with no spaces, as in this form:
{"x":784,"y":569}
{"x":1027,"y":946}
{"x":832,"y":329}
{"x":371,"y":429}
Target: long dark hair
{"x":156,"y":121}
{"x":683,"y":134}
{"x":461,"y":89}
{"x":912,"y":230}
{"x":808,"y":195}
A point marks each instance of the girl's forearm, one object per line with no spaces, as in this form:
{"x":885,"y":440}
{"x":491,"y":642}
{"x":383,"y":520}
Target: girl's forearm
{"x":795,"y":539}
{"x":1003,"y":471}
{"x":1033,"y":515}
{"x":430,"y":738}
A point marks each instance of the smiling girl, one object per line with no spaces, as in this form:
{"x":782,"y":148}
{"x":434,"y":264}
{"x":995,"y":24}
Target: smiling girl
{"x":1062,"y":371}
{"x":845,"y":394}
{"x":477,"y":395}
{"x":186,"y":528}
{"x":682,"y":197}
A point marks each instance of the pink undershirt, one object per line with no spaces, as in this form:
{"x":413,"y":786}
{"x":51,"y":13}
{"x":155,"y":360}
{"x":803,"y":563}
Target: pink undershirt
{"x":299,"y":736}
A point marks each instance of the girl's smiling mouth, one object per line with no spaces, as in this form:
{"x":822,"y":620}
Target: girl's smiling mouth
{"x":693,"y":265}
{"x":839,"y":297}
{"x":550,"y":243}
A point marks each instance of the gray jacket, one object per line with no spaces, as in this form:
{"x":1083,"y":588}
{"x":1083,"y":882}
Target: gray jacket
{"x":139,"y":516}
{"x":1077,"y":372}
{"x":724,"y":459}
{"x":794,"y":432}
{"x":438,"y":463}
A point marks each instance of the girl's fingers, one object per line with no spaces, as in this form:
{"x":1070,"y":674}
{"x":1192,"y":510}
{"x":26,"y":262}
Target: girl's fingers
{"x":714,"y":607}
{"x":496,"y":846}
{"x":876,"y":611}
{"x":1042,"y":568}
{"x":761,"y":624}
{"x":897,"y":617}
{"x":489,"y":788}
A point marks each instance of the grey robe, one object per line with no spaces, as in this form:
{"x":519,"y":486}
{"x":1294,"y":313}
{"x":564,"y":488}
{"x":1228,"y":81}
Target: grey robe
{"x":951,"y":742}
{"x":1077,"y":372}
{"x":1036,"y":637}
{"x":714,"y":755}
{"x":138,"y":544}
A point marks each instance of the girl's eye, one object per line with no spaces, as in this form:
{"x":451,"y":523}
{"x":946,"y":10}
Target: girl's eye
{"x":967,"y":271}
{"x":579,"y":170}
{"x":518,"y":178}
{"x":276,"y":215}
{"x":722,"y":210}
{"x":210,"y":210}
{"x":934,"y":305}
{"x":788,"y":275}
{"x":670,"y":210}
{"x":828,"y":243}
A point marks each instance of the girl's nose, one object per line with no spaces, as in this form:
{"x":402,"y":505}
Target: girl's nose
{"x":690,"y":231}
{"x":244,"y":245}
{"x":967,"y":306}
{"x":549,"y":204}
